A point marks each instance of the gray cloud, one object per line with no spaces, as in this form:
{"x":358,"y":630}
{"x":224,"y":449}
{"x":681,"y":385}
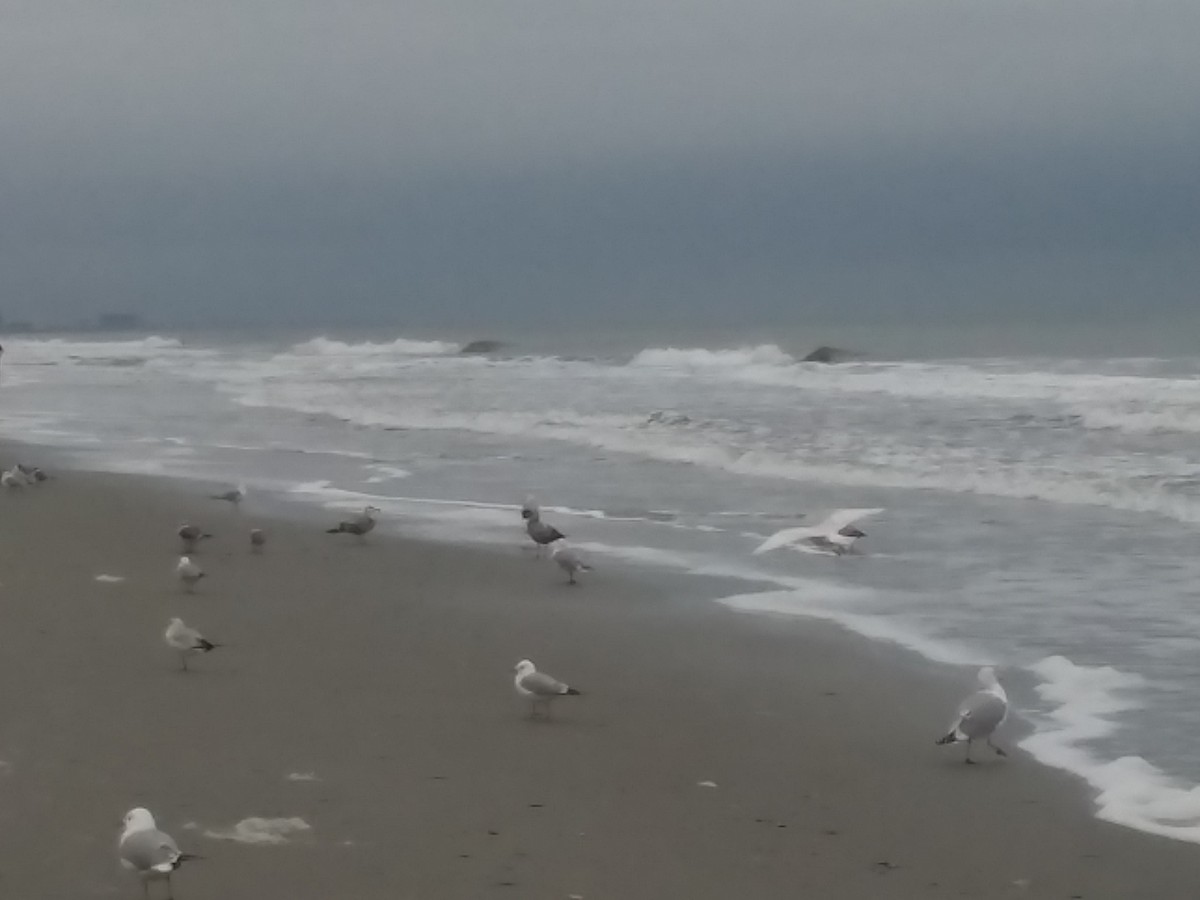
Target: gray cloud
{"x":219,"y":161}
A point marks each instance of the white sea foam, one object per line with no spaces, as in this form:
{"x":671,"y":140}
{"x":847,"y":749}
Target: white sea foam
{"x":255,"y":830}
{"x":836,"y":603}
{"x":1085,"y":702}
{"x":323,"y":346}
{"x":698,"y":359}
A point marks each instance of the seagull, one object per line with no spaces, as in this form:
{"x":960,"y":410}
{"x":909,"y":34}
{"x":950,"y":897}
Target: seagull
{"x":360,"y":525}
{"x":188,"y":573}
{"x":235,"y":496}
{"x":980,"y":715}
{"x":543,"y":535}
{"x":13,"y":479}
{"x":258,"y":540}
{"x":191,"y":535}
{"x":32,"y":473}
{"x":186,"y":640}
{"x":835,"y":535}
{"x":151,"y":853}
{"x":537,"y":687}
{"x":568,"y":560}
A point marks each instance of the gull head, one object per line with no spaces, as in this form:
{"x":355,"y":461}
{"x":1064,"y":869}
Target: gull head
{"x":138,"y":819}
{"x":524,"y":667}
{"x":527,"y":513}
{"x":184,"y":561}
{"x":371,"y":510}
{"x":175,"y":622}
{"x":987,"y":677}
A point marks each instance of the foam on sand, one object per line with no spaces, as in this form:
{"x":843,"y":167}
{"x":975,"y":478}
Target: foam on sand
{"x":256,"y":830}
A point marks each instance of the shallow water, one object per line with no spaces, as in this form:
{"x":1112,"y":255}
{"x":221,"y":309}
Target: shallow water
{"x":1040,"y":514}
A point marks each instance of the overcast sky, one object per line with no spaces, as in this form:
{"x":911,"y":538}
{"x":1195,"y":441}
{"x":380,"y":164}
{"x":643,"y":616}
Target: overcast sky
{"x":439,"y":161}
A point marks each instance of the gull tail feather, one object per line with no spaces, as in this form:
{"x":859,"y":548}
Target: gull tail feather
{"x":572,"y":692}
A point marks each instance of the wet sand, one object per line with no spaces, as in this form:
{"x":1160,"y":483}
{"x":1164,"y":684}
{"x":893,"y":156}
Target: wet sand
{"x":384,"y":672}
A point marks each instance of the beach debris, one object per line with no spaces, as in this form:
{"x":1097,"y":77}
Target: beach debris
{"x":538,"y":687}
{"x":835,"y":535}
{"x":887,"y":865}
{"x":979,"y":715}
{"x":361,"y":525}
{"x":256,"y":830}
{"x":234,"y":496}
{"x":568,"y":560}
{"x":302,"y":776}
{"x":109,"y":579}
{"x":190,"y":536}
{"x":186,"y":641}
{"x":258,"y":540}
{"x":151,"y":853}
{"x":188,"y":573}
{"x":706,"y":784}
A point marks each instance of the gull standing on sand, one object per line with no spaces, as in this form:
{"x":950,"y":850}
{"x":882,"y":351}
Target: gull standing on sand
{"x":835,"y":535}
{"x":543,"y":535}
{"x":235,"y":496}
{"x":360,"y":525}
{"x":537,"y":687}
{"x":568,"y":560}
{"x":188,"y":573}
{"x":190,"y":536}
{"x":151,"y":853}
{"x":186,"y":641}
{"x":980,"y":715}
{"x":258,"y":540}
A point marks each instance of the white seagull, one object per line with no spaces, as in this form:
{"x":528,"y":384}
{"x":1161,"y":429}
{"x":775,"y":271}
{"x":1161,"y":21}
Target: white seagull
{"x":188,"y":573}
{"x":568,"y":560}
{"x":186,"y":641}
{"x":151,"y":853}
{"x":537,"y":687}
{"x":360,"y":525}
{"x":980,"y":715}
{"x":835,"y":535}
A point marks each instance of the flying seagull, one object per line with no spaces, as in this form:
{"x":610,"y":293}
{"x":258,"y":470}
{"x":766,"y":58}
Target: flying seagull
{"x":188,"y":573}
{"x":186,"y":640}
{"x":568,"y":560}
{"x":190,"y":536}
{"x":835,"y":535}
{"x":151,"y":853}
{"x":980,"y":715}
{"x":360,"y":525}
{"x":537,"y":687}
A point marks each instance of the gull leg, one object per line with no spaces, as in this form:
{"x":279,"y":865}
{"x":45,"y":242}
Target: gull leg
{"x":999,"y":751}
{"x":968,"y":760}
{"x":170,"y":892}
{"x":183,"y":661}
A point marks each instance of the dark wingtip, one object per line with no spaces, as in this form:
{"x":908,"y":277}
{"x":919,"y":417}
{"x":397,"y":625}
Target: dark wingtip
{"x":333,"y":531}
{"x":571,"y":692}
{"x":207,"y":645}
{"x":948,"y":739}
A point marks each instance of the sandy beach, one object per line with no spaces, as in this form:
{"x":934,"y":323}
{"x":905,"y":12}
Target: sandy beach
{"x":365,"y":690}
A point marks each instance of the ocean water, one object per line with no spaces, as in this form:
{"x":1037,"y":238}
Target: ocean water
{"x":1041,"y":513}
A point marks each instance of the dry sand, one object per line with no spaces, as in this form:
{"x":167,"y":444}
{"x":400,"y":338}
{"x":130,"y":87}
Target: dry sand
{"x":385,"y":671}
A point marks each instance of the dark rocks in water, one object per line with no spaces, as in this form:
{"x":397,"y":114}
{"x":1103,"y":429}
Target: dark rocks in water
{"x":828,"y":355}
{"x":482,"y":347}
